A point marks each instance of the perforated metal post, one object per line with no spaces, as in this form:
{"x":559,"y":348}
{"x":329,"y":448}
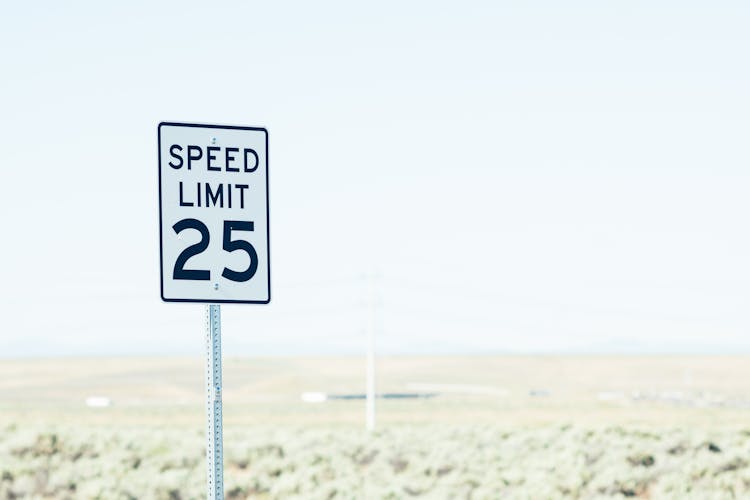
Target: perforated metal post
{"x":214,"y":444}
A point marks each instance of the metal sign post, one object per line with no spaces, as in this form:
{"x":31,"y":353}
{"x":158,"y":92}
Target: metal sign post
{"x":214,"y":441}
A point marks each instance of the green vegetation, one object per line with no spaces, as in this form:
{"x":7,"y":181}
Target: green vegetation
{"x":397,"y":462}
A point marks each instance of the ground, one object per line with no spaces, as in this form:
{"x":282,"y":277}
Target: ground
{"x":495,"y":427}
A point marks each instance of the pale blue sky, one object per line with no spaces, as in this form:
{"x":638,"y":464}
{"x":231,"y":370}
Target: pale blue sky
{"x":525,"y":176}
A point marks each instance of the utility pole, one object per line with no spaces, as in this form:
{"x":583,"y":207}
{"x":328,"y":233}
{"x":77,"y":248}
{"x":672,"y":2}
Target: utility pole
{"x":370,"y":366}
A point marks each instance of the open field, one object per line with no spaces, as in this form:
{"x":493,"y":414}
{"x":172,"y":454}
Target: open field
{"x":497,"y":427}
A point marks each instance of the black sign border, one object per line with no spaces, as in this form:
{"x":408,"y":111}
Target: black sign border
{"x":161,"y":234}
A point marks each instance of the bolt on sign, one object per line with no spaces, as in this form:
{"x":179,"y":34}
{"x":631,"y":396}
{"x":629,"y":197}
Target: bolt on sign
{"x":213,"y":213}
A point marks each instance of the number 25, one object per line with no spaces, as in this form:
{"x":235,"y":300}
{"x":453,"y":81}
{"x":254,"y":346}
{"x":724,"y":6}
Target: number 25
{"x":230,"y":245}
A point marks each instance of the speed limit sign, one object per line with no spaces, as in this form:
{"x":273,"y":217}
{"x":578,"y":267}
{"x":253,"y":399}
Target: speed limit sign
{"x":213,"y":213}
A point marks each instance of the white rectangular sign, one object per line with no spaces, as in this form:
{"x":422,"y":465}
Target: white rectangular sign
{"x":213,"y":213}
